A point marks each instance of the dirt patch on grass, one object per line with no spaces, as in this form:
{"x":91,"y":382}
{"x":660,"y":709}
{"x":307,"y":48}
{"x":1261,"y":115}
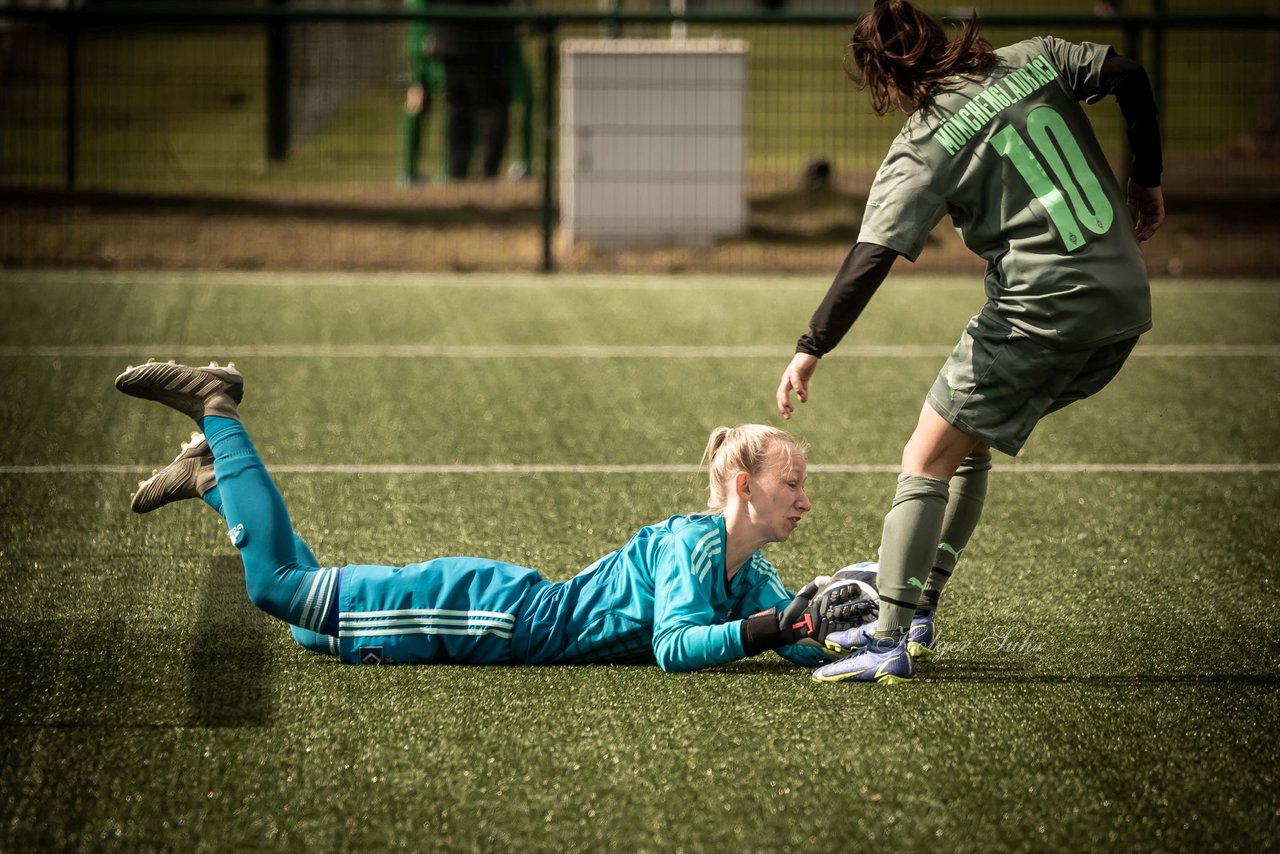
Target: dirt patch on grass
{"x":1224,"y":221}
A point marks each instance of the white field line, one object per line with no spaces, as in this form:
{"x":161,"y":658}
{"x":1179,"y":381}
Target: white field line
{"x":813,"y":284}
{"x":614,"y":282}
{"x":564,"y":351}
{"x":556,"y":468}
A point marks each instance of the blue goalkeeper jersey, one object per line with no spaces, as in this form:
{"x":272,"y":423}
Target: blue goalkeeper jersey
{"x":662,"y":598}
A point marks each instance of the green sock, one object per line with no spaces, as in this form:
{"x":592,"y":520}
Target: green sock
{"x":522,"y":94}
{"x":443,"y":172}
{"x":411,"y":139}
{"x":912,"y":530}
{"x":968,"y":493}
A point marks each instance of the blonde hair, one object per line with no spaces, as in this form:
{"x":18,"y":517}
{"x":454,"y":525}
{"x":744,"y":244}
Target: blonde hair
{"x":748,"y":447}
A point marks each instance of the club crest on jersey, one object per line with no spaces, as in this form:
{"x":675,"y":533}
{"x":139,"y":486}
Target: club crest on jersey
{"x":369,"y":655}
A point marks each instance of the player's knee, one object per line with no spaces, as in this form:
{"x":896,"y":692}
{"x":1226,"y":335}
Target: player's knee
{"x":267,"y":593}
{"x":927,"y":466}
{"x":979,"y":459}
{"x":941,"y":460}
{"x":314,"y":642}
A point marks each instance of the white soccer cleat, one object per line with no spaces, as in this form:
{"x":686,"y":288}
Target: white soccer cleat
{"x":190,"y":475}
{"x":195,"y":392}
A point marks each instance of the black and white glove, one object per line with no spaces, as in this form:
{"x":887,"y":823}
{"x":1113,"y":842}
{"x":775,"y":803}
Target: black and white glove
{"x":819,"y":609}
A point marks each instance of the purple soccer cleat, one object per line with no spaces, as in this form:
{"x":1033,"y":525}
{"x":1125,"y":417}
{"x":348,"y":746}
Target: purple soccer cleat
{"x":876,"y":661}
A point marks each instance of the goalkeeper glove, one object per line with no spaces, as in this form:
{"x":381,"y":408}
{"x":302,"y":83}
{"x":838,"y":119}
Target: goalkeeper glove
{"x":815,"y":612}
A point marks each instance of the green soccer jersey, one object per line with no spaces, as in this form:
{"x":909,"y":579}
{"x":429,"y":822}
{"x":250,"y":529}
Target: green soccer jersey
{"x":424,"y":69}
{"x":1014,"y":161}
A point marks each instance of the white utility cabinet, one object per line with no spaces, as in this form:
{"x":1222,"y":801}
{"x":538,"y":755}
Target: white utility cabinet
{"x":652,"y":140}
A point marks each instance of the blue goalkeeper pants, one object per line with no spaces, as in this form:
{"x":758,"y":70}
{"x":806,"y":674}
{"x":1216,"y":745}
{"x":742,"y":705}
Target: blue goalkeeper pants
{"x":453,"y":609}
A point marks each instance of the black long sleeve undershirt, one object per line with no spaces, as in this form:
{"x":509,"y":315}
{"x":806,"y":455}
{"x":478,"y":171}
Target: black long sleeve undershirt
{"x":863,"y":271}
{"x":1128,"y":82}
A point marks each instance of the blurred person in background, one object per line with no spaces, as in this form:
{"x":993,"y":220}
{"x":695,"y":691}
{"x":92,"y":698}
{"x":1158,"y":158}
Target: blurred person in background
{"x":477,"y":58}
{"x":426,"y":86}
{"x":522,"y":98}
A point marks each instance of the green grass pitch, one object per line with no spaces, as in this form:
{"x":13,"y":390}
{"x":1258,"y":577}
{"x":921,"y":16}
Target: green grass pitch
{"x":1109,"y":677}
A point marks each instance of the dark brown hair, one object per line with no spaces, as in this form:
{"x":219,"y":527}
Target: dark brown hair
{"x":898,"y":45}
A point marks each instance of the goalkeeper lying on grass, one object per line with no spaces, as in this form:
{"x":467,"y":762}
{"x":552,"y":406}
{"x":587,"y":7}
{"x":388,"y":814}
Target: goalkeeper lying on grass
{"x":691,"y":592}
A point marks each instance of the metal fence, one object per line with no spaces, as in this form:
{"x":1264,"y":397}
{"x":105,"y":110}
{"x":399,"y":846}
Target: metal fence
{"x":120,"y":122}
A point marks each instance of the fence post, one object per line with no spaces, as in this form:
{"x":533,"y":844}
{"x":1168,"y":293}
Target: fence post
{"x":1158,"y":33}
{"x":72,"y":124}
{"x":277,"y":87}
{"x":550,"y":65}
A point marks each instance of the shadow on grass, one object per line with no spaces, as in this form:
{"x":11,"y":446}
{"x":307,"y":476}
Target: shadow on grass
{"x":1001,"y":673}
{"x":996,"y":672}
{"x":230,"y":667}
{"x":210,"y":668}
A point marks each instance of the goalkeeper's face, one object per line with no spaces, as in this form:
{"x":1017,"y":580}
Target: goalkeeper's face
{"x":778,"y":499}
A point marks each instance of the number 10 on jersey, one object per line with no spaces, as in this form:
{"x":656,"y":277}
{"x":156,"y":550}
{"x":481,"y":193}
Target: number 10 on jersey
{"x":1072,"y":197}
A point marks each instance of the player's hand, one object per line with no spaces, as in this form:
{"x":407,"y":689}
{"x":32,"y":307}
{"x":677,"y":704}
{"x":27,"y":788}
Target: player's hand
{"x":796,"y":378}
{"x":812,"y":615}
{"x":415,"y":98}
{"x":1146,"y":206}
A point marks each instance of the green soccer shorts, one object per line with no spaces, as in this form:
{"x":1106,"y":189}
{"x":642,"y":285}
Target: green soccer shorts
{"x":997,"y":384}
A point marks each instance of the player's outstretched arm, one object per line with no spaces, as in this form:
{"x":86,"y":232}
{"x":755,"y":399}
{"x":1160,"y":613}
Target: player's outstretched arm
{"x":861,"y":274}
